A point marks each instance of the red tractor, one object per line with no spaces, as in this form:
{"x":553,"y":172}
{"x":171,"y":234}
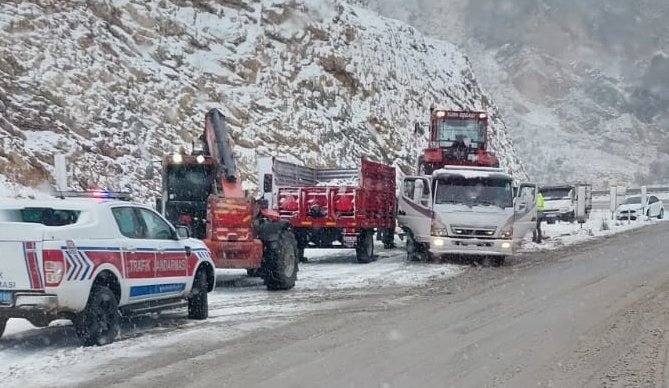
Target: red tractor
{"x":203,"y":191}
{"x":457,"y":138}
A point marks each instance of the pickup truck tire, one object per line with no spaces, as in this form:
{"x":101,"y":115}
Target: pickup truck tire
{"x":364,"y":249}
{"x":98,"y":324}
{"x":661,"y":215}
{"x":3,"y":325}
{"x":281,"y":263}
{"x":498,"y":261}
{"x":198,"y":303}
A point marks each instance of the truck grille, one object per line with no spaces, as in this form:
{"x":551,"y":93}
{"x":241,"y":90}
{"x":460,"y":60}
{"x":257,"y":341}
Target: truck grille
{"x":472,"y":232}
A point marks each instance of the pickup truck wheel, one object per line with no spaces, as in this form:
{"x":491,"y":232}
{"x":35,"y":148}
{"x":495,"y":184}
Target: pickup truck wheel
{"x":364,"y":249}
{"x":198,"y":303}
{"x":661,"y":215}
{"x":98,"y":324}
{"x":3,"y":325}
{"x":498,"y":261}
{"x":281,"y":263}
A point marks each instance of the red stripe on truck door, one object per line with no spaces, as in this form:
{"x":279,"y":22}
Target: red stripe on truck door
{"x":31,"y":265}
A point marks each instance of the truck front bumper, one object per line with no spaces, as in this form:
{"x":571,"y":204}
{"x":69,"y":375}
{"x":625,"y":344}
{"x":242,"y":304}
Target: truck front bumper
{"x":34,"y":306}
{"x":470,"y":246}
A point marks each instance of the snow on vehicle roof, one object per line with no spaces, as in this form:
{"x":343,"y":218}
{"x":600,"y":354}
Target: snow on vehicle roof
{"x":473,"y":172}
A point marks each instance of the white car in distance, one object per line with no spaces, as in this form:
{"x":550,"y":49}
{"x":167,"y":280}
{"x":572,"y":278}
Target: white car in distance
{"x":633,"y":209}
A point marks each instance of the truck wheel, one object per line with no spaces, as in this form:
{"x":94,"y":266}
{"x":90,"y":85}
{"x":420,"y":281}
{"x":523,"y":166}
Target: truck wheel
{"x":364,"y":248}
{"x":198,"y":303}
{"x":253,"y":272}
{"x":414,"y":250}
{"x":3,"y":325}
{"x":498,"y":261}
{"x":389,"y":238}
{"x":98,"y":324}
{"x":281,"y":263}
{"x":300,"y":255}
{"x":661,"y":215}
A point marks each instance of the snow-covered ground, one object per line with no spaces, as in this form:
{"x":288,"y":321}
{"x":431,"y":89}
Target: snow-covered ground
{"x":32,"y":356}
{"x":37,"y":357}
{"x":599,"y":224}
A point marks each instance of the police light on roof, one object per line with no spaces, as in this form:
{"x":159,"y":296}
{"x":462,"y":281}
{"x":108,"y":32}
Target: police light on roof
{"x":177,"y":158}
{"x":200,"y":159}
{"x":100,"y":194}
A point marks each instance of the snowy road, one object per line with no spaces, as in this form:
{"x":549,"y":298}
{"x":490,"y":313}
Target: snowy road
{"x":585,"y":316}
{"x":333,"y":292}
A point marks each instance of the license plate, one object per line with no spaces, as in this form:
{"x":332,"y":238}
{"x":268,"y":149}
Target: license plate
{"x":349,"y":241}
{"x":5,"y":297}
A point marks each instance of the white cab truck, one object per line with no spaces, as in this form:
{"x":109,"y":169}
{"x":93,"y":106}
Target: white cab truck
{"x":93,"y":260}
{"x":561,"y":202}
{"x":465,"y":211}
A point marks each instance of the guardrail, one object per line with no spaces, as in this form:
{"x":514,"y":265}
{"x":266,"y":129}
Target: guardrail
{"x":635,"y":191}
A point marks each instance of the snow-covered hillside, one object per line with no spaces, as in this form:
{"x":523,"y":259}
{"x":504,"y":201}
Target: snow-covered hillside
{"x":114,"y":86}
{"x":582,"y":84}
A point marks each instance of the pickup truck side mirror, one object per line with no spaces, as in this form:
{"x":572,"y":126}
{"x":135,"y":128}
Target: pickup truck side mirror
{"x":183,"y":232}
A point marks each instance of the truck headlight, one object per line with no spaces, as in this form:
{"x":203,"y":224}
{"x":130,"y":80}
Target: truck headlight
{"x":507,"y":231}
{"x":438,"y":229}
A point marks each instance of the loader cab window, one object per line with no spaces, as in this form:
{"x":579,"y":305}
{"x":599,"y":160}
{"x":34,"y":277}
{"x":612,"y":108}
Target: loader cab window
{"x":189,"y":183}
{"x":453,"y":131}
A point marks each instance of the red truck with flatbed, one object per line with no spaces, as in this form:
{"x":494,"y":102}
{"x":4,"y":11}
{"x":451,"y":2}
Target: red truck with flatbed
{"x":333,"y":207}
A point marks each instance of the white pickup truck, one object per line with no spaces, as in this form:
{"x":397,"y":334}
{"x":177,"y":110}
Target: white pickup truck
{"x":92,"y":260}
{"x":465,"y":211}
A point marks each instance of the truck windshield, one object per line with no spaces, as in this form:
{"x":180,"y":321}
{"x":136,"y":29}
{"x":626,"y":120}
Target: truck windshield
{"x":190,"y":183}
{"x":468,"y":131}
{"x":556,"y":193}
{"x":474,"y":191}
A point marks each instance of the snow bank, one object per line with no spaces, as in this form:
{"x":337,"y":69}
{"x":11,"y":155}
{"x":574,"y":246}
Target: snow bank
{"x":599,"y":224}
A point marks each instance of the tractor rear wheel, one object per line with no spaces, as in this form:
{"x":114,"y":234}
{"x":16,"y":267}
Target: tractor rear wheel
{"x":280,"y":262}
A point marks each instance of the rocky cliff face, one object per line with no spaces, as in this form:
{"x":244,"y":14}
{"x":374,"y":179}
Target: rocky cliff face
{"x":582,"y":85}
{"x":116,"y":84}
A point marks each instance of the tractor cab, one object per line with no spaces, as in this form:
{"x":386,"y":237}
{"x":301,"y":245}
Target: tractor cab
{"x":457,"y":138}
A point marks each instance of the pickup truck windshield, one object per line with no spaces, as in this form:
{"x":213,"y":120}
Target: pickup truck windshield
{"x":474,"y":191}
{"x":556,"y":193}
{"x":451,"y":130}
{"x":189,"y":183}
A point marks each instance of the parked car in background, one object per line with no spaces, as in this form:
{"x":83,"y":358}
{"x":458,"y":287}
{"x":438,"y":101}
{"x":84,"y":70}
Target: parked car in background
{"x":633,"y":208}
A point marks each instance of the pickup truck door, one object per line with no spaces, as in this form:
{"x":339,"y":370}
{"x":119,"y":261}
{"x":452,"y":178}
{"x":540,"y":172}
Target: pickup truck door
{"x":414,"y":208}
{"x":171,"y":268}
{"x":525,"y":208}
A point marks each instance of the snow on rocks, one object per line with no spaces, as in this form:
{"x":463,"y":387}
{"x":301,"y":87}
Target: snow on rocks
{"x":114,"y":84}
